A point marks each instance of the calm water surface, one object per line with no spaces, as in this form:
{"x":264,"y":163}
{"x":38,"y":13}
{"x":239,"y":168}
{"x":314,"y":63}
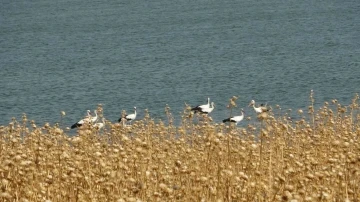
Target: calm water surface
{"x":72,"y":55}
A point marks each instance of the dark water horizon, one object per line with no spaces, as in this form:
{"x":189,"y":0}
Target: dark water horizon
{"x":73,"y":55}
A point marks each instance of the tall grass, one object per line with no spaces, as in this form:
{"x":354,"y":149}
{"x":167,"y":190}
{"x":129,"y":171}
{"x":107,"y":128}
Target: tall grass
{"x":314,"y":158}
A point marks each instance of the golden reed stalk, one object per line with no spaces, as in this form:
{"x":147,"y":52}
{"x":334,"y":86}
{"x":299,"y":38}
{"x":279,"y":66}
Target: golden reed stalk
{"x":313,"y":158}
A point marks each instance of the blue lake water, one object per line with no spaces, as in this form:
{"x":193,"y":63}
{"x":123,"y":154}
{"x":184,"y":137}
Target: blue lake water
{"x":72,"y":55}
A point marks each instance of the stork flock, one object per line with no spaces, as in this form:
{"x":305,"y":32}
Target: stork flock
{"x":91,"y":120}
{"x":202,"y":109}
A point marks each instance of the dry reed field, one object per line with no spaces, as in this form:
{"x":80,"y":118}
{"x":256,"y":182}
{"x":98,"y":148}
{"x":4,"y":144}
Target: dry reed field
{"x":313,"y":158}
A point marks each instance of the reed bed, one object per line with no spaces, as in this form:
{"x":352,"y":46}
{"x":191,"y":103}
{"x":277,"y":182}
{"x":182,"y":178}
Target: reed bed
{"x":313,"y":158}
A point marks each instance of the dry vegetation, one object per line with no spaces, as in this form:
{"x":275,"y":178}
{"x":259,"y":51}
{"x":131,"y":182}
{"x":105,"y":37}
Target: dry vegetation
{"x":315,"y":158}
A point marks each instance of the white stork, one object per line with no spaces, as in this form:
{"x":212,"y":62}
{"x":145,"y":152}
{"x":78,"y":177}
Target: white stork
{"x":94,"y":118}
{"x":129,"y":117}
{"x":235,"y":119}
{"x":202,"y":108}
{"x":100,"y":125}
{"x":207,"y":110}
{"x":260,"y":109}
{"x":87,"y":119}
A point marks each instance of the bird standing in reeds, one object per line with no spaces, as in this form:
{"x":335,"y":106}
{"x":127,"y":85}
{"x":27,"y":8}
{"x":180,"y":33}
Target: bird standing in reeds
{"x":99,"y":125}
{"x":235,"y":119}
{"x":259,"y":109}
{"x":206,"y":108}
{"x":129,"y":117}
{"x":87,"y":119}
